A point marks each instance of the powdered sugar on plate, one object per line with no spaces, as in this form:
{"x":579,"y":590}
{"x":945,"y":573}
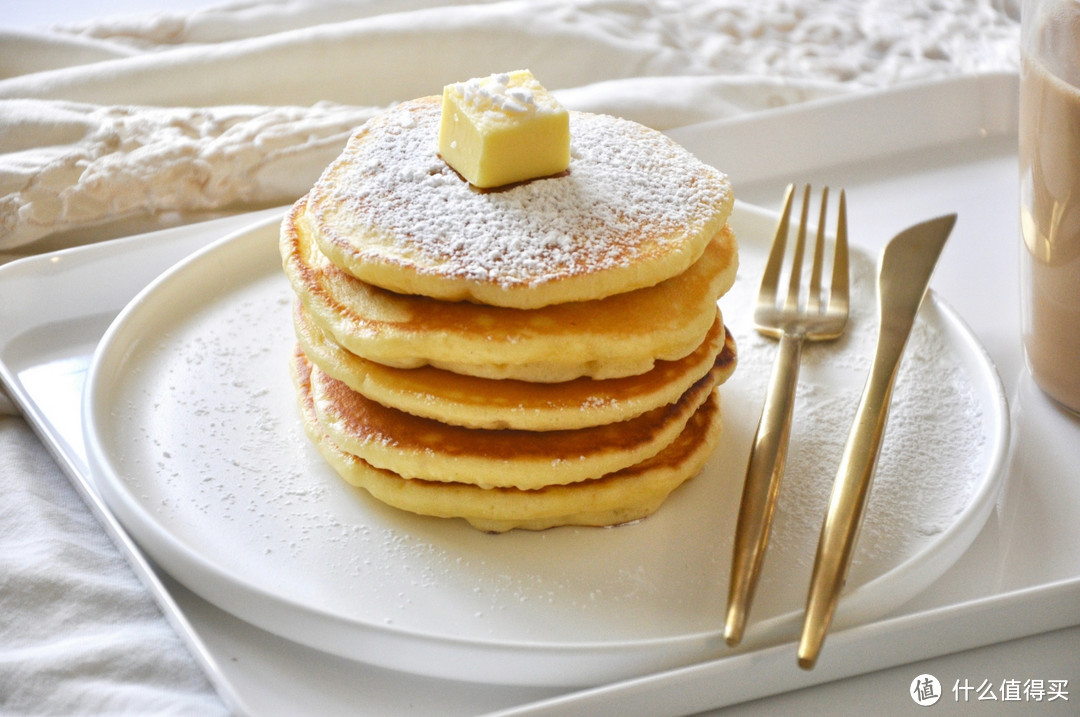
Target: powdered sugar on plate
{"x":935,"y":430}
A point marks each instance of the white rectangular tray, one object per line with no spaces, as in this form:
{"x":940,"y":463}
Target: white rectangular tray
{"x":903,"y":156}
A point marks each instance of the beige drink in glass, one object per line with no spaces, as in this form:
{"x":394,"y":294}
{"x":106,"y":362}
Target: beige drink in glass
{"x":1050,"y":196}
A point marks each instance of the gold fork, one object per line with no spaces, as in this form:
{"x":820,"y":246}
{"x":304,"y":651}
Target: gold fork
{"x":819,"y":315}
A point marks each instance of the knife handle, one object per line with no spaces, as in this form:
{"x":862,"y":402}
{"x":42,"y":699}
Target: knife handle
{"x":846,"y":504}
{"x":906,"y":266}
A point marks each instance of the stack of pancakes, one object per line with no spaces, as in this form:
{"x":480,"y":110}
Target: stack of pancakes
{"x":542,"y":354}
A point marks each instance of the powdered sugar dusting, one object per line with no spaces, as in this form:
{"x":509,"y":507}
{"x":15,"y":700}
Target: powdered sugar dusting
{"x":491,"y":94}
{"x":630,"y":194}
{"x":933,"y":442}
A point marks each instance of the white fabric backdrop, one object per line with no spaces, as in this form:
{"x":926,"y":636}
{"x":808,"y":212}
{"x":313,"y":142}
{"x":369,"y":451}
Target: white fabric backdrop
{"x":122,"y":125}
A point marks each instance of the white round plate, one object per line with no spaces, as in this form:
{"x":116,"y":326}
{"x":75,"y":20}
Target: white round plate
{"x":194,"y":441}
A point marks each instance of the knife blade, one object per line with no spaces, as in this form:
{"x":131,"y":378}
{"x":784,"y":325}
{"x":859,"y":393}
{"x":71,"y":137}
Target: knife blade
{"x":906,"y":266}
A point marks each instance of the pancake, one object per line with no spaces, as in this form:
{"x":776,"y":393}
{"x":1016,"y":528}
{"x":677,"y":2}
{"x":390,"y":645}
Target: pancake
{"x":627,"y":495}
{"x":485,"y":403}
{"x":538,"y":354}
{"x":632,"y":210}
{"x":415,"y":447}
{"x":621,"y":335}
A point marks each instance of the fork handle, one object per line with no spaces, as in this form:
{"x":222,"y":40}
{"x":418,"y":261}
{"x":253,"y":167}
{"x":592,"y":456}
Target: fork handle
{"x":764,"y":471}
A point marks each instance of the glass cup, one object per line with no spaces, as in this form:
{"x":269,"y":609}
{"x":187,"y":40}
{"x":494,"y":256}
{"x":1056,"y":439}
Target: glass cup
{"x":1050,"y":195}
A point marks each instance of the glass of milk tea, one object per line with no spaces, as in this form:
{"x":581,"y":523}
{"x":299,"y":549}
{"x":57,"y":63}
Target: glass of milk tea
{"x":1050,"y":196}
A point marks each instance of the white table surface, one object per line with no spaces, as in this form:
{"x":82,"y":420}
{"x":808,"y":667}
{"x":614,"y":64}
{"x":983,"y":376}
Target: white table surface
{"x":1056,"y":653}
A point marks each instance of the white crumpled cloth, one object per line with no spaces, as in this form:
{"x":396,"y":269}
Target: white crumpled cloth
{"x":123,"y":124}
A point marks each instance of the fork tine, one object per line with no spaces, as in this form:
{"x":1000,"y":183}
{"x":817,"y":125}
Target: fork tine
{"x":838,"y":297}
{"x":813,"y":303}
{"x":770,"y":279}
{"x":792,"y":301}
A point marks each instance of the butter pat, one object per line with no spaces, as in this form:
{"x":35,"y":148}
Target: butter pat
{"x":502,"y":129}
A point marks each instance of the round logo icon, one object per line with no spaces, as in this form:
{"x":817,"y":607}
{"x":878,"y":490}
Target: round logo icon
{"x":925,"y":690}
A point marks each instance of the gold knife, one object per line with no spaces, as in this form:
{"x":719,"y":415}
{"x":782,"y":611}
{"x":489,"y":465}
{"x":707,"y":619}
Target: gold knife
{"x":906,"y":266}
